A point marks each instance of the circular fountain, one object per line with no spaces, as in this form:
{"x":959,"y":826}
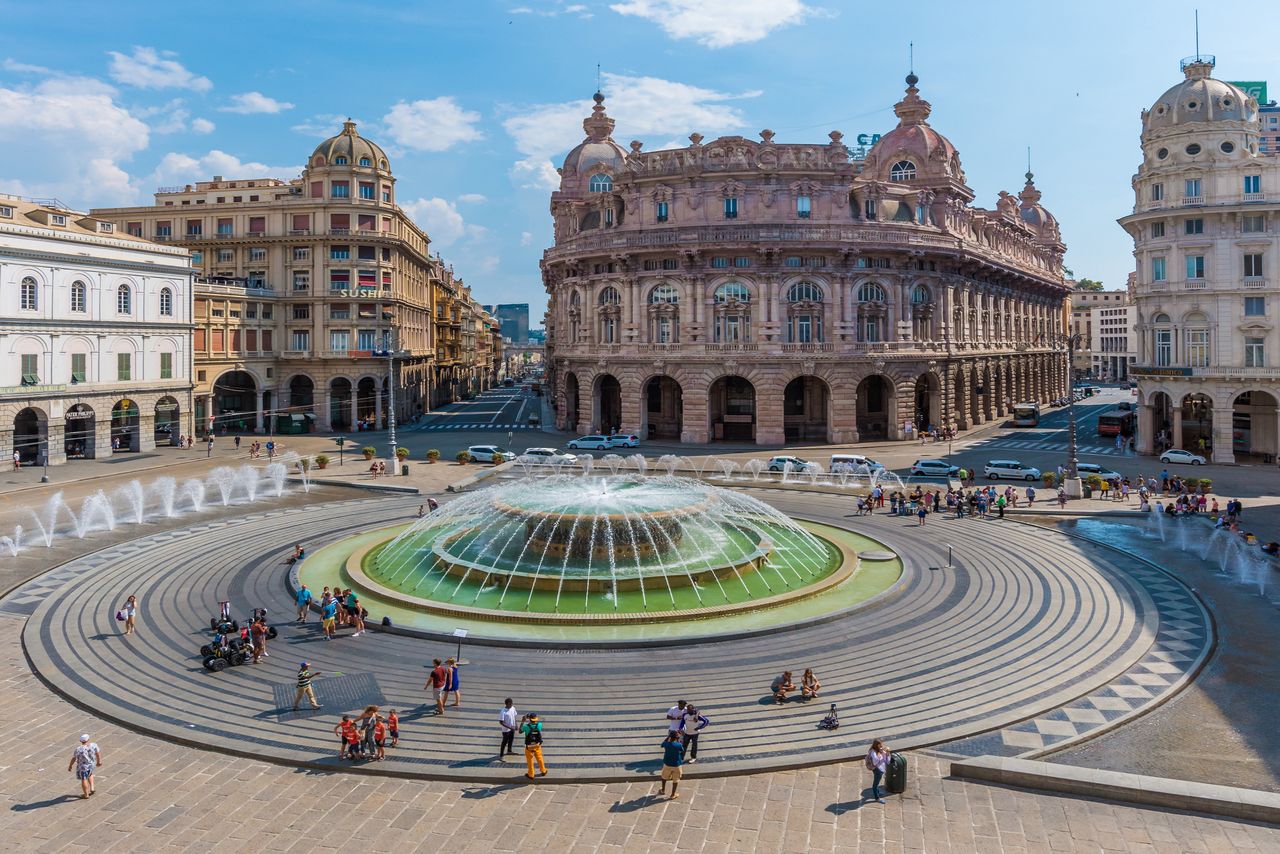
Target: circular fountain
{"x":615,"y":550}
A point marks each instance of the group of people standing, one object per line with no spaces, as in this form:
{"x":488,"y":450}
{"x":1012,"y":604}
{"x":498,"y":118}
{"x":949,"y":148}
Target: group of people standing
{"x":337,"y":608}
{"x":366,"y":736}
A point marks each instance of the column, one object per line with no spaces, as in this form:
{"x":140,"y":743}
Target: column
{"x":56,"y":442}
{"x":1223,"y":448}
{"x":695,"y":419}
{"x":145,"y":438}
{"x":101,"y":437}
{"x":631,"y":401}
{"x":6,"y":446}
{"x":355,"y":408}
{"x":326,"y":409}
{"x":257,"y":411}
{"x":1177,"y":426}
{"x":1146,"y":429}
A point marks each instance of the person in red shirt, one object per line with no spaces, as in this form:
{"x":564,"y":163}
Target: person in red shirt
{"x":341,"y":731}
{"x":393,"y":726}
{"x":438,"y":683}
{"x":379,"y":737}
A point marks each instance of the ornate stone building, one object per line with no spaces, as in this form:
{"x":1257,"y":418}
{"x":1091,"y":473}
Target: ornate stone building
{"x":769,"y":292}
{"x":303,"y":286}
{"x":1205,"y":230}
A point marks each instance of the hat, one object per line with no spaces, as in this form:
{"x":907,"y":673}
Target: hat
{"x":304,"y":665}
{"x":84,"y":738}
{"x":533,"y":716}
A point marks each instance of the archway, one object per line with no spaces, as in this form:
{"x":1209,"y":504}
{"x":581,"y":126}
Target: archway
{"x":301,"y":410}
{"x":571,"y":402}
{"x":1253,"y":426}
{"x":875,"y":402}
{"x":960,"y":402}
{"x":607,"y":404}
{"x":367,"y":392}
{"x":805,"y":404}
{"x":124,"y":426}
{"x":235,"y":402}
{"x":167,"y":427}
{"x":30,"y":433}
{"x":1161,"y":421}
{"x":340,"y":403}
{"x":80,"y":433}
{"x":928,"y":407}
{"x":732,"y":409}
{"x":1197,"y":423}
{"x":664,"y":408}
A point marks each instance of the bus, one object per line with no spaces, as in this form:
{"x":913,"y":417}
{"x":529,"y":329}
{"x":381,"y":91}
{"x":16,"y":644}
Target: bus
{"x":1117,"y":422}
{"x":1026,"y":414}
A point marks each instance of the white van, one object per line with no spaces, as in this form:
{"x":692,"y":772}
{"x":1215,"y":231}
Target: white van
{"x":853,"y":463}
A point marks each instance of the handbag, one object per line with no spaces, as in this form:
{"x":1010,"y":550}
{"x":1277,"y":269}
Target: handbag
{"x":120,"y":616}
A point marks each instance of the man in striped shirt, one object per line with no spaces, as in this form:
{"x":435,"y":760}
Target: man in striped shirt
{"x":305,"y":675}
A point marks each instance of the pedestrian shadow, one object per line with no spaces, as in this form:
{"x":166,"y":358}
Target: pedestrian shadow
{"x":105,"y":636}
{"x":478,"y":762}
{"x":840,"y":808}
{"x":39,"y":805}
{"x":482,"y":792}
{"x":637,"y":803}
{"x":644,"y":765}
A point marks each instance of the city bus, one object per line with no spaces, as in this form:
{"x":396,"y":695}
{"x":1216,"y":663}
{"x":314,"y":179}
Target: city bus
{"x":1026,"y":414}
{"x":1117,"y":422}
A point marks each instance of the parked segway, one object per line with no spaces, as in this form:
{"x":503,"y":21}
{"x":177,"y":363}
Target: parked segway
{"x":223,"y":623}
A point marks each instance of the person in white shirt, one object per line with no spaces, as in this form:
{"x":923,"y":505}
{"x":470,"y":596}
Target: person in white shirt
{"x":507,"y":719}
{"x":675,"y":716}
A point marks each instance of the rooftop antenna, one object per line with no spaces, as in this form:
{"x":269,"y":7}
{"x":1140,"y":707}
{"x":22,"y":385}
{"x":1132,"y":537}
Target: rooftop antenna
{"x":1028,"y":159}
{"x":1197,"y":34}
{"x":911,"y":57}
{"x":598,"y":72}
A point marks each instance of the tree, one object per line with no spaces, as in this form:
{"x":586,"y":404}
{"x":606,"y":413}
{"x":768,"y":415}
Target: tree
{"x":1088,"y":285}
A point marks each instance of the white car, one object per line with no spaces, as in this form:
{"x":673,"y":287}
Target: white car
{"x":1010,"y":470}
{"x":1176,"y":455}
{"x":624,"y":440}
{"x":937,"y":468}
{"x":1086,"y":469}
{"x":780,"y":464}
{"x":546,"y":455}
{"x":489,"y":453}
{"x":596,"y":441}
{"x":854,"y":462}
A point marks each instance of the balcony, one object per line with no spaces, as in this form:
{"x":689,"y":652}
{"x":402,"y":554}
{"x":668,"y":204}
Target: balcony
{"x":1255,"y":197}
{"x":1255,"y":282}
{"x":733,"y":347}
{"x":295,"y":354}
{"x":807,"y":347}
{"x":1195,"y":284}
{"x":1192,"y":201}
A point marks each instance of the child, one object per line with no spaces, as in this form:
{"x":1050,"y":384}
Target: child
{"x":355,"y":750}
{"x":393,"y":726}
{"x":341,"y":732}
{"x":379,"y":737}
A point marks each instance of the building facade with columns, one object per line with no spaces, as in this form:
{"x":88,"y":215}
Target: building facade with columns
{"x":95,"y":328}
{"x":303,"y":287}
{"x":1206,"y":232}
{"x":767,"y":292}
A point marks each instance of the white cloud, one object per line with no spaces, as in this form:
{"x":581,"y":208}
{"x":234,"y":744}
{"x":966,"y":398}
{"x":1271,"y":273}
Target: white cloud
{"x":526,"y":238}
{"x":323,"y":126}
{"x":202,"y":126}
{"x":442,"y":221}
{"x":577,"y":9}
{"x":717,"y":23}
{"x":484,"y":265}
{"x":178,"y":168}
{"x":436,"y":124}
{"x":642,"y":105}
{"x":65,"y":137}
{"x":255,"y":102}
{"x":11,"y":64}
{"x":473,"y":198}
{"x":147,"y":68}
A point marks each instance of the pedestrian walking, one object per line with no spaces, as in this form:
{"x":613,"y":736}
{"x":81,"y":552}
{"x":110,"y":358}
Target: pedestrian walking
{"x":305,"y":675}
{"x":85,"y":759}
{"x":1062,"y":498}
{"x":304,"y":603}
{"x":672,"y":764}
{"x":438,"y":682}
{"x":422,"y":510}
{"x":922,"y":512}
{"x":531,"y":728}
{"x":691,"y":726}
{"x":130,"y":610}
{"x":328,"y":616}
{"x":1031,"y":495}
{"x":237,"y":443}
{"x":877,"y":762}
{"x":432,"y":505}
{"x":507,"y":721}
{"x":453,"y":682}
{"x":17,"y":461}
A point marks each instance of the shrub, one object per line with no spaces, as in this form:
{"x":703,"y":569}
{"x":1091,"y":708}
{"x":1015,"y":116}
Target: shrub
{"x":433,"y":455}
{"x":305,"y":463}
{"x":1095,"y":482}
{"x":1049,"y":479}
{"x":463,"y":457}
{"x":402,"y":453}
{"x":368,"y":451}
{"x":322,"y":461}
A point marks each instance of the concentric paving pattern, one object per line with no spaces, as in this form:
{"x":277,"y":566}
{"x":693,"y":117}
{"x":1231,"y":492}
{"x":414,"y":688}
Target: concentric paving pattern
{"x":1024,"y":623}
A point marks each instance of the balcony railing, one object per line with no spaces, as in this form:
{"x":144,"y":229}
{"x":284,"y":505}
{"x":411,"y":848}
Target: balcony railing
{"x":1195,"y":284}
{"x":807,"y":347}
{"x":1255,"y":197}
{"x":295,"y":354}
{"x":1192,"y":201}
{"x":1255,"y":282}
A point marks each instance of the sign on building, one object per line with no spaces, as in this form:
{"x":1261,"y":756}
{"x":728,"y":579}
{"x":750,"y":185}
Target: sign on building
{"x":1256,"y":88}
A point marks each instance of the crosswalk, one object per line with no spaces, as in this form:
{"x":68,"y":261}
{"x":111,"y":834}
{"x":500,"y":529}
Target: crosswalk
{"x":458,"y":426}
{"x":1032,"y":445}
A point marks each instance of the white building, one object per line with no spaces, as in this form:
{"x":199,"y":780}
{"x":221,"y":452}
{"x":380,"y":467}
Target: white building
{"x":1104,"y":321}
{"x":95,"y":332}
{"x":1205,"y":226}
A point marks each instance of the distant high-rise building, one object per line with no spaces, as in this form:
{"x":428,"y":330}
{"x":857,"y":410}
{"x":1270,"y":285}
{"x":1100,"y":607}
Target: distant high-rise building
{"x":514,"y":320}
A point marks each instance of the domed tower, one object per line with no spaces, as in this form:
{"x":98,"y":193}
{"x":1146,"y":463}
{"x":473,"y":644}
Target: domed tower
{"x":914,"y":153}
{"x":348,"y":163}
{"x":595,"y":154}
{"x":1200,"y":119}
{"x":1035,"y":215}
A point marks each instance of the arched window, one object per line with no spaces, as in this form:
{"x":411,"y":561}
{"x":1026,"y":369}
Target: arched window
{"x":733,"y":291}
{"x":364,"y":161}
{"x":610,"y":296}
{"x":870,"y":292}
{"x":600,"y":183}
{"x":664,"y":293}
{"x":903,"y":170}
{"x":30,"y":294}
{"x":919,"y":295}
{"x":575,"y":299}
{"x":804,"y":292}
{"x":339,"y":161}
{"x":1161,"y":318}
{"x":166,"y":302}
{"x":79,"y":296}
{"x":1163,"y":340}
{"x":124,"y":300}
{"x":382,"y":164}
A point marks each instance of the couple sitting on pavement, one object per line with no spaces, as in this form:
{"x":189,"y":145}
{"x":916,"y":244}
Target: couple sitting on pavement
{"x":782,"y":685}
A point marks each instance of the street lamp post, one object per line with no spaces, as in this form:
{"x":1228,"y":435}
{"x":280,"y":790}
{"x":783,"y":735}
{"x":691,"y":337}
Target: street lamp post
{"x":391,"y":397}
{"x":1071,"y":483}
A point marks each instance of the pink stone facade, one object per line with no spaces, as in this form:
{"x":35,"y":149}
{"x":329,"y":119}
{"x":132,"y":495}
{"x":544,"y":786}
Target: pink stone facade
{"x":766,"y":292}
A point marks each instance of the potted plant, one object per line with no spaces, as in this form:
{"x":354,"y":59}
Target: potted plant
{"x":433,"y":455}
{"x":304,"y":463}
{"x":1095,"y":483}
{"x":463,"y":457}
{"x":402,"y":454}
{"x":322,"y":461}
{"x":368,"y":451}
{"x":1049,"y":479}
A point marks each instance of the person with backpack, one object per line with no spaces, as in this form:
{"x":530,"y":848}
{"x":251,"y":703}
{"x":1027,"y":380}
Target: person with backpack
{"x":692,"y":723}
{"x":877,"y":761}
{"x":531,"y":728}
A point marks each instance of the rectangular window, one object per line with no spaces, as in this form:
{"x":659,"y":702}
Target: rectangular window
{"x":1157,"y":192}
{"x":871,"y":208}
{"x":302,"y":253}
{"x":339,"y":280}
{"x":195,"y":227}
{"x":366,"y":278}
{"x":301,"y":281}
{"x":340,"y":311}
{"x":804,"y":329}
{"x":339,"y":253}
{"x":257,"y":225}
{"x":301,"y":223}
{"x":731,"y":208}
{"x":386,"y":280}
{"x":670,"y":264}
{"x":302,"y":312}
{"x":1198,"y":348}
{"x":1195,"y":266}
{"x":164,"y":229}
{"x":266,"y":312}
{"x":197,"y":258}
{"x":30,"y":369}
{"x":804,"y":207}
{"x":1164,"y":347}
{"x":742,"y":261}
{"x":720,"y":261}
{"x":386,"y":224}
{"x":124,"y":366}
{"x":1255,"y":306}
{"x":1252,"y":184}
{"x":366,"y":222}
{"x":663,"y":211}
{"x":251,"y":340}
{"x":367,"y":339}
{"x":340,"y":190}
{"x":225,"y":227}
{"x":1253,"y":223}
{"x":1157,"y":229}
{"x":1253,"y":265}
{"x":1157,"y":270}
{"x":78,"y":362}
{"x":1195,"y":226}
{"x":1255,"y":353}
{"x":1191,"y":188}
{"x":198,"y":342}
{"x":135,"y":229}
{"x":166,"y":366}
{"x":664,"y":333}
{"x":339,"y":340}
{"x":226,"y":256}
{"x":266,"y":341}
{"x":366,"y":253}
{"x":608,"y":217}
{"x":366,"y":191}
{"x":793,"y":261}
{"x":300,"y":340}
{"x":257,"y":254}
{"x":256,"y":279}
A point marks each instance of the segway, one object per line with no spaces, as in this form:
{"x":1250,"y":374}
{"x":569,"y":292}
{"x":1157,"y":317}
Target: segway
{"x":223,"y":624}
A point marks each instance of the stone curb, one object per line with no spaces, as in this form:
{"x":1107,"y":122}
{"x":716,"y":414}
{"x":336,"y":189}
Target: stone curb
{"x":476,"y":477}
{"x":368,"y":486}
{"x":1160,"y":792}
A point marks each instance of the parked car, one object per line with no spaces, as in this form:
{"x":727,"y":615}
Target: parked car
{"x":854,"y":462}
{"x":937,"y":468}
{"x":1086,"y":469}
{"x":489,"y":453}
{"x":1177,"y":455}
{"x":596,"y":441}
{"x":780,"y":463}
{"x":1010,"y":470}
{"x":546,"y":455}
{"x":624,"y":440}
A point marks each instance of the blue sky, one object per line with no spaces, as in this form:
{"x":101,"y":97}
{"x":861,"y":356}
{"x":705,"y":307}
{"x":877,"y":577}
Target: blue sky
{"x":100,"y":103}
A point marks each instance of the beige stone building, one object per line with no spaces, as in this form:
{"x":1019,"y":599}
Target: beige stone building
{"x":1206,"y":232}
{"x":765,"y":292}
{"x":304,"y":287}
